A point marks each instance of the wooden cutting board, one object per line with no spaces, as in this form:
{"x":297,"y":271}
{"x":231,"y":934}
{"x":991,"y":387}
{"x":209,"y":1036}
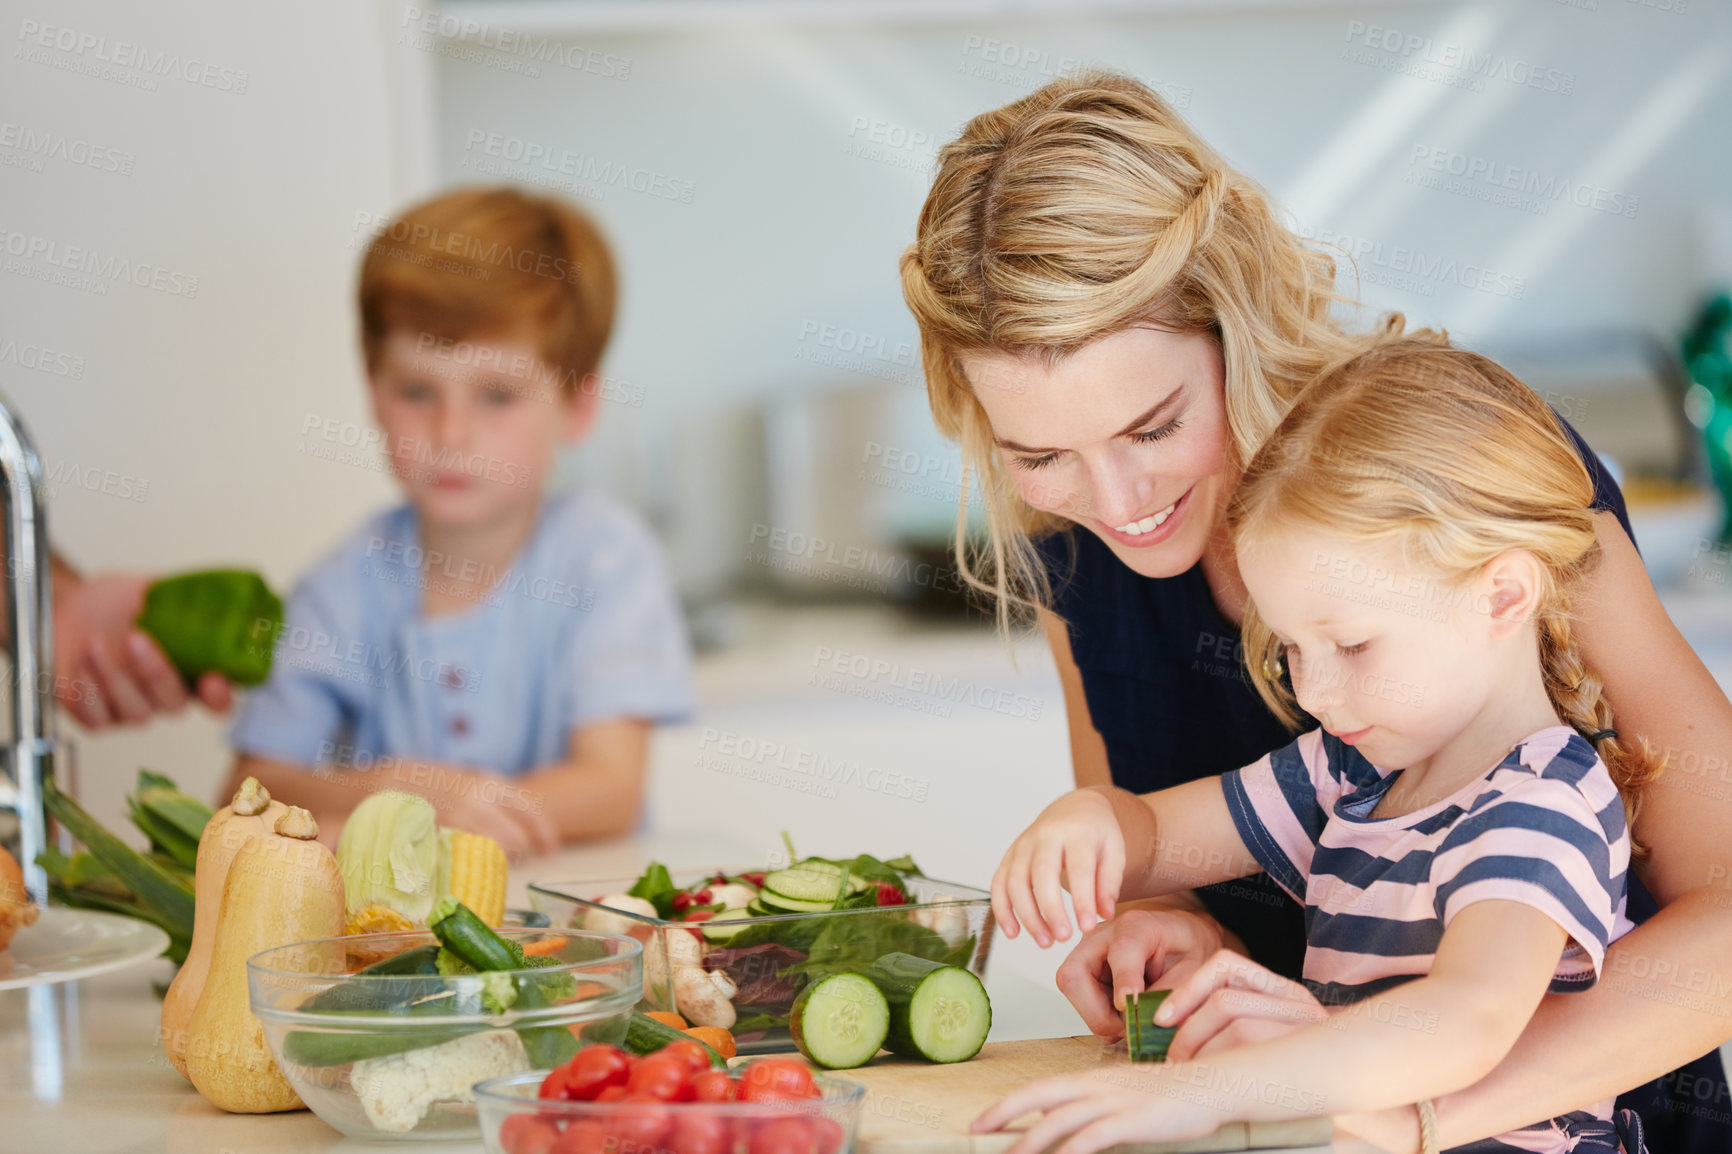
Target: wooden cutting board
{"x":919,"y":1108}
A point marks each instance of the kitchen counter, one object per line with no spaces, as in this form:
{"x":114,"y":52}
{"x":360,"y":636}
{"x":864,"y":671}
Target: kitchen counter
{"x":81,"y":1070}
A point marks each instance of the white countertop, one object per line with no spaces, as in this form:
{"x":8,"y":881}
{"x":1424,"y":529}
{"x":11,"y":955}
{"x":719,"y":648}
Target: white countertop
{"x":81,"y":1070}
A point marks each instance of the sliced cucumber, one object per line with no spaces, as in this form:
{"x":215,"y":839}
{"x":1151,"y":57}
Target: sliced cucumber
{"x":807,"y":881}
{"x":782,"y":904}
{"x":724,"y":925}
{"x":937,"y":1012}
{"x":840,"y":1021}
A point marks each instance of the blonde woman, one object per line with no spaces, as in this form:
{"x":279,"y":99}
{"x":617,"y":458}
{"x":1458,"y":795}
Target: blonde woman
{"x":1113,"y":321}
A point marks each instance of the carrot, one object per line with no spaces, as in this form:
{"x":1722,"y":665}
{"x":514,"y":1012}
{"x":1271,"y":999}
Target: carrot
{"x":545,"y":946}
{"x":714,"y":1037}
{"x":667,"y":1018}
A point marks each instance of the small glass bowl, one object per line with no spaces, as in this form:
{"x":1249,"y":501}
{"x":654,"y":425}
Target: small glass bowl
{"x":514,"y":1120}
{"x":397,"y":1056}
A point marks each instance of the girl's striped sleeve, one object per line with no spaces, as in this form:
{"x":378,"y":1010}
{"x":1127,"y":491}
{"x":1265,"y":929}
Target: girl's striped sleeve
{"x":1278,"y":805}
{"x":1556,"y":842}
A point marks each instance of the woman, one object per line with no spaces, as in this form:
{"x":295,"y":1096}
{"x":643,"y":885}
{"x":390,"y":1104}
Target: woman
{"x":1112,"y":321}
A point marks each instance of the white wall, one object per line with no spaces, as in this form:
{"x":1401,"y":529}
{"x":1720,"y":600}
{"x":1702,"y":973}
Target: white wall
{"x":189,"y":409}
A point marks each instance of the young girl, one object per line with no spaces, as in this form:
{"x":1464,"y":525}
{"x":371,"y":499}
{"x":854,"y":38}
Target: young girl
{"x":1413,"y":538}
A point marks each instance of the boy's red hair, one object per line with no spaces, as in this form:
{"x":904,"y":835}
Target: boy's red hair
{"x":479,"y":262}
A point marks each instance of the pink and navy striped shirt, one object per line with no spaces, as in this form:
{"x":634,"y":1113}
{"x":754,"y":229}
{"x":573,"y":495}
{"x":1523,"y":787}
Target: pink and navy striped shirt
{"x":1545,"y":827}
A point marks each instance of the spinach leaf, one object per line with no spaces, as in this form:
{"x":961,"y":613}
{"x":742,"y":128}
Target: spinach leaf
{"x":656,"y":886}
{"x":855,"y":942}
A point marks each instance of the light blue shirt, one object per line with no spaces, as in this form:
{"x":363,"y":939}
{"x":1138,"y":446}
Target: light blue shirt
{"x":583,"y":627}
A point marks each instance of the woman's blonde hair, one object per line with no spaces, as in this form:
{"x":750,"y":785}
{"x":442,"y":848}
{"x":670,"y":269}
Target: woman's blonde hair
{"x":1447,"y":454}
{"x":1084,"y":209}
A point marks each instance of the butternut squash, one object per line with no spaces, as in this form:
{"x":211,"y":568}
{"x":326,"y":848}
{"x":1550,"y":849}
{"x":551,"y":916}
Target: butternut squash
{"x":282,"y":887}
{"x":251,"y":813}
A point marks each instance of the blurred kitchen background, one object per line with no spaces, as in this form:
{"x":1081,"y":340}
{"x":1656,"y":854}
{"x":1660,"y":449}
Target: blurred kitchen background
{"x":759,"y":167}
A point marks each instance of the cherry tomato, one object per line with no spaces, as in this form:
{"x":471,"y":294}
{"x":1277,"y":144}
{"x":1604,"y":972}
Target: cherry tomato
{"x":783,"y":1136}
{"x":638,"y":1124}
{"x":777,"y":1079}
{"x":692,"y":1054}
{"x":664,"y":1078}
{"x":713,"y":1086}
{"x":556,"y":1085}
{"x":593,"y":1070}
{"x":584,"y":1136}
{"x":698,"y":916}
{"x":757,"y":879}
{"x":611,"y":1094}
{"x":527,"y":1134}
{"x":828,"y":1134}
{"x":681,"y":902}
{"x":700,"y":1132}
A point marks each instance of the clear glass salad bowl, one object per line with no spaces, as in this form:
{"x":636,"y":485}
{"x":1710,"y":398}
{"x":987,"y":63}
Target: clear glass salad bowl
{"x":393,"y":1056}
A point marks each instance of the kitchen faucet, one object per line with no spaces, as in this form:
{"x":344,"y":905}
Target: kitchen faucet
{"x":29,"y":760}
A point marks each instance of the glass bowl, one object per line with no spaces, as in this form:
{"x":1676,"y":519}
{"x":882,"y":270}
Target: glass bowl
{"x":771,"y":959}
{"x":515,"y":1121}
{"x":384,"y":1057}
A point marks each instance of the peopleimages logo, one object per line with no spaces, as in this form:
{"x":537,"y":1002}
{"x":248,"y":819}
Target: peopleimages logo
{"x":1482,"y":178}
{"x":99,"y":50}
{"x":1414,"y":270}
{"x":1470,"y":62}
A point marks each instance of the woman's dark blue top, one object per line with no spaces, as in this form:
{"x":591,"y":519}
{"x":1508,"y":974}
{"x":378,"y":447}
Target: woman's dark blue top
{"x":1163,"y":673}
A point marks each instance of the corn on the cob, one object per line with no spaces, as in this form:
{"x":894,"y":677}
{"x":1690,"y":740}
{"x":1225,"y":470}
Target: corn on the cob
{"x":375,"y":918}
{"x":472,"y":869}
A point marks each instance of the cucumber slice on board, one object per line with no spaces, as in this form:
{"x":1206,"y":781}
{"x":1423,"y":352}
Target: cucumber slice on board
{"x":1146,"y":1041}
{"x":937,"y":1012}
{"x":840,"y":1021}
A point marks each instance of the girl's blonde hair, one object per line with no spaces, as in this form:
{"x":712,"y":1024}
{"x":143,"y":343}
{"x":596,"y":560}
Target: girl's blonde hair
{"x":1446,"y":453}
{"x":1084,"y":209}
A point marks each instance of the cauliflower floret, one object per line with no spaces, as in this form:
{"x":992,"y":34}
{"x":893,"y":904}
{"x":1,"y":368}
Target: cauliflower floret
{"x":397,"y":1090}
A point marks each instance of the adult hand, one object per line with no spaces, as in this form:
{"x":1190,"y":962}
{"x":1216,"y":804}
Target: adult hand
{"x":106,"y":670}
{"x":1135,"y":951}
{"x":1231,"y":1001}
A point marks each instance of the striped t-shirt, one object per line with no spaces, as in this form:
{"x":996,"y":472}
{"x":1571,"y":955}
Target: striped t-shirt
{"x":1545,"y":827}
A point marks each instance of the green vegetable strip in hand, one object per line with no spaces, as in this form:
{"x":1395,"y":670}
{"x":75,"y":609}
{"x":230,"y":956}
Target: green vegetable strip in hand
{"x":226,"y":620}
{"x":1146,"y":1041}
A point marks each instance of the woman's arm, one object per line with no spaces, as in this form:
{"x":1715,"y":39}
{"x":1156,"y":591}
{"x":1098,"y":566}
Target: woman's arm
{"x":1629,"y":1030}
{"x":1088,"y":751}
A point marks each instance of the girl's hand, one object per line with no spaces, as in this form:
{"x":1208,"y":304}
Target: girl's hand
{"x":1074,"y":844}
{"x":1135,"y":951}
{"x":1231,"y":1001}
{"x":1106,"y":1107}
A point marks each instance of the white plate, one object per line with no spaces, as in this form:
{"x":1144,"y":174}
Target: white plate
{"x":66,"y":943}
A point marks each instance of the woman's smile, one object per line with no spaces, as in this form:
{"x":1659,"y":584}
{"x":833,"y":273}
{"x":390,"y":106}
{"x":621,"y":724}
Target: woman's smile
{"x":1149,"y":530}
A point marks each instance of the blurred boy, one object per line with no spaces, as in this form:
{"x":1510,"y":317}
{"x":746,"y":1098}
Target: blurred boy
{"x":498,"y":648}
